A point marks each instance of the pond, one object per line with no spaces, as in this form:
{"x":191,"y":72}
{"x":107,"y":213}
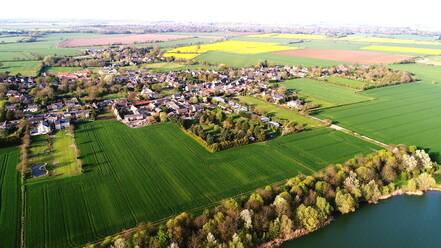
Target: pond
{"x":402,"y":221}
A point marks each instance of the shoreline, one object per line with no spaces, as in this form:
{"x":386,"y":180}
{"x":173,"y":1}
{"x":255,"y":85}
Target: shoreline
{"x":297,"y":233}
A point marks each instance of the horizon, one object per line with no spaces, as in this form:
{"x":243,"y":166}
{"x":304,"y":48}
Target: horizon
{"x":341,"y":12}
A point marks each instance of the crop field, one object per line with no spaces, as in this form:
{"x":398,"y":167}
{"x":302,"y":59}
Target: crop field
{"x":408,"y":114}
{"x":10,"y":200}
{"x":386,"y":40}
{"x":146,"y":174}
{"x":355,"y":84}
{"x":119,"y":39}
{"x":291,"y":36}
{"x":243,"y":60}
{"x":401,"y":49}
{"x":278,"y":112}
{"x":347,"y":56}
{"x":25,"y":68}
{"x":324,"y":93}
{"x":232,"y":46}
{"x":69,"y":69}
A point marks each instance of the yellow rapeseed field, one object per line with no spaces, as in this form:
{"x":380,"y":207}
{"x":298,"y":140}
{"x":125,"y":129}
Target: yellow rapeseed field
{"x":291,"y":36}
{"x":232,"y":46}
{"x":400,"y":49}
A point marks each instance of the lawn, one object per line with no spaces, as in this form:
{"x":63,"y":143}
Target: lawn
{"x":10,"y":200}
{"x":409,"y":114}
{"x":231,"y":46}
{"x":147,"y":174}
{"x":324,"y":93}
{"x":61,"y":159}
{"x":278,"y":111}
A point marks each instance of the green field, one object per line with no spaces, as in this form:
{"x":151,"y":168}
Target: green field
{"x":279,"y":112}
{"x":324,"y":93}
{"x":146,"y":174}
{"x":26,"y":68}
{"x":355,"y":84}
{"x":61,"y":159}
{"x":69,"y":69}
{"x":409,"y":114}
{"x":243,"y":60}
{"x":10,"y":200}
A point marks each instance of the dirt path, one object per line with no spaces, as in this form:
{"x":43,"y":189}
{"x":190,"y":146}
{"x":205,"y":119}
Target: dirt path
{"x":350,"y":132}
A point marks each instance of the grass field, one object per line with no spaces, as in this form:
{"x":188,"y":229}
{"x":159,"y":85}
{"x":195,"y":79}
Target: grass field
{"x":324,"y":93}
{"x":401,"y":49}
{"x":61,"y":160}
{"x":430,"y":60}
{"x":291,"y":36}
{"x":146,"y":174}
{"x":279,"y":112}
{"x":231,"y":46}
{"x":26,"y":68}
{"x":10,"y":200}
{"x":243,"y":60}
{"x":408,"y":114}
{"x":70,"y":69}
{"x":355,"y":84}
{"x":386,"y":40}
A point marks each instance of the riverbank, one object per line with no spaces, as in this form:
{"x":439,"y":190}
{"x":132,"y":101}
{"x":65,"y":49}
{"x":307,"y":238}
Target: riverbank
{"x":298,"y":233}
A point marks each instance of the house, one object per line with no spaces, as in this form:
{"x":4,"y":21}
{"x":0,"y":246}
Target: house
{"x":42,"y":128}
{"x":61,"y":124}
{"x":297,"y":104}
{"x":31,"y":108}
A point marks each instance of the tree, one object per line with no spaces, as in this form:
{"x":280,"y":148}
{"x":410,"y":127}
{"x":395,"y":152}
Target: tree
{"x":371,"y":192}
{"x":308,"y":217}
{"x":323,"y":206}
{"x":254,"y":202}
{"x":345,"y":202}
{"x":163,"y":117}
{"x":424,"y":181}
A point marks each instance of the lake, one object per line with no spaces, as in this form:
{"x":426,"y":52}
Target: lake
{"x":402,"y":221}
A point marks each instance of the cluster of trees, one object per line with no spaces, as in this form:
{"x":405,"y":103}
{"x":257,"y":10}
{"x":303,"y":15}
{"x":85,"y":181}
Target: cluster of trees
{"x":303,"y":204}
{"x":375,"y":75}
{"x":12,"y":137}
{"x":120,"y":56}
{"x":221,"y":130}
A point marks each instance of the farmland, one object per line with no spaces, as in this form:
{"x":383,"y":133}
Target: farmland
{"x":10,"y":200}
{"x":401,"y":49}
{"x":242,"y":60}
{"x":400,"y":114}
{"x":134,"y":175}
{"x":346,"y":82}
{"x":324,"y":93}
{"x":119,"y":39}
{"x":360,"y":57}
{"x":241,"y":47}
{"x":291,"y":36}
{"x":25,"y":68}
{"x":277,"y":111}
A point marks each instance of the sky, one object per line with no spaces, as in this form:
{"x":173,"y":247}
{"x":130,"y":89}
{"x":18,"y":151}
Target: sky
{"x":341,"y":12}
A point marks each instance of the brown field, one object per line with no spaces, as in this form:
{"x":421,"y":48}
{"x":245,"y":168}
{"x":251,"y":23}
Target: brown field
{"x":359,"y":57}
{"x":123,"y":40}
